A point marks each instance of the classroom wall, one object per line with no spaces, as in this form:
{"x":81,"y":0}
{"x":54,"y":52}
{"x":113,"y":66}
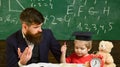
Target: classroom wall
{"x":115,"y":51}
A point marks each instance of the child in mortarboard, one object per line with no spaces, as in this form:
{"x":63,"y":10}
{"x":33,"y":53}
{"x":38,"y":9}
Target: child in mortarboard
{"x":82,"y":45}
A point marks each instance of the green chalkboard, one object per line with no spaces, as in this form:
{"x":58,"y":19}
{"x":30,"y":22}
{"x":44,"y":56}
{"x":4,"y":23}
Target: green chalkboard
{"x":102,"y":17}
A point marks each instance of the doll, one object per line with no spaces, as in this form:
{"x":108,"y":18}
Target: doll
{"x":105,"y":48}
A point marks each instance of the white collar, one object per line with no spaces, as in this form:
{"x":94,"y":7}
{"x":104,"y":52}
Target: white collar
{"x":31,"y":45}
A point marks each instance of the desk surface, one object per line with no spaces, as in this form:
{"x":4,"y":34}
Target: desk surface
{"x":54,"y":65}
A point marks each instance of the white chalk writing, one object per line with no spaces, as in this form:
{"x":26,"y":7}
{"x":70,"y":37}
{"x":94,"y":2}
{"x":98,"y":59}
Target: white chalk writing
{"x":15,"y":10}
{"x":42,"y":3}
{"x":81,"y":15}
{"x":0,"y":3}
{"x":95,"y":27}
{"x":9,"y":19}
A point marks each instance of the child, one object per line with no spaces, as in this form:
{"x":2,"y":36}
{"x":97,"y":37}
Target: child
{"x":82,"y":44}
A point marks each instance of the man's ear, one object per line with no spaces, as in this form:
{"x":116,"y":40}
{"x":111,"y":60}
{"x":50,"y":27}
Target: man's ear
{"x":24,"y":26}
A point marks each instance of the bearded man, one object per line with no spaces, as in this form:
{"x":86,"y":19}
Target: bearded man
{"x":32,"y":43}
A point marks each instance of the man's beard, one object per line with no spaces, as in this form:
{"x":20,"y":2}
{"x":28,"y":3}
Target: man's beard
{"x":35,"y":39}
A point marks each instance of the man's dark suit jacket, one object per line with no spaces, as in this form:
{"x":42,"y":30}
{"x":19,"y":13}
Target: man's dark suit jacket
{"x":47,"y":43}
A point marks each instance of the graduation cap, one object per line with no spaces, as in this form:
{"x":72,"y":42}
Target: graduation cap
{"x":83,"y":35}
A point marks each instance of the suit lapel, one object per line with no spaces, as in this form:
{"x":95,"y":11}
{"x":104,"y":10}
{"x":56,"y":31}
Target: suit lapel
{"x":21,"y":41}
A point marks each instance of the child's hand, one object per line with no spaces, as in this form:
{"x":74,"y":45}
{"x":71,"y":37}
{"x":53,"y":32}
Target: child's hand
{"x":64,"y":48}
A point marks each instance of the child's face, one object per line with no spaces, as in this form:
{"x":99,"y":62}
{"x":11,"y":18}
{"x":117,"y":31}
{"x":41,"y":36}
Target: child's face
{"x":80,"y":48}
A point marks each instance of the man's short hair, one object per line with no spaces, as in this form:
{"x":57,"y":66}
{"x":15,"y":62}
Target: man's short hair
{"x":31,"y":15}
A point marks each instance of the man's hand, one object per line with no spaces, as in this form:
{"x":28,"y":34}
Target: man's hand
{"x":25,"y":56}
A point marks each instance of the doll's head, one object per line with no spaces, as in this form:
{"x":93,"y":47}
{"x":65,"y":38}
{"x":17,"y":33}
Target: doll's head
{"x":105,"y":46}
